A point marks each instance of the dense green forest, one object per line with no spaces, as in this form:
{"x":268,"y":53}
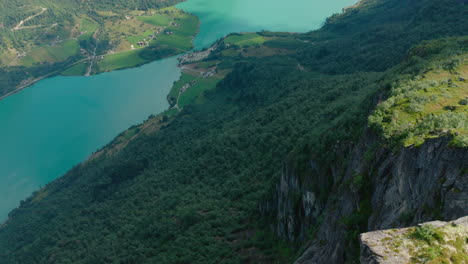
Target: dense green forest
{"x":189,"y":192}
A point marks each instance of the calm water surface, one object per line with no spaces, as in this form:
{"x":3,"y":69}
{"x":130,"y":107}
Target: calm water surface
{"x":57,"y":123}
{"x":221,"y":17}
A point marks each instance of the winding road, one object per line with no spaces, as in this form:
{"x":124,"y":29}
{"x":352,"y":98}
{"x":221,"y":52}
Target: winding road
{"x":21,"y":23}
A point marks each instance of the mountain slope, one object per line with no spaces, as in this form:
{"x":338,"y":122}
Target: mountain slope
{"x":202,"y":186}
{"x":391,"y":28}
{"x":375,"y":182}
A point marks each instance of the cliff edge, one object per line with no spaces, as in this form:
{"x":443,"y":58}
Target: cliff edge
{"x":436,"y":241}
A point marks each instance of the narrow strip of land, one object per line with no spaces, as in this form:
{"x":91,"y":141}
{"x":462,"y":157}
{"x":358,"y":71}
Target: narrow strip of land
{"x":25,"y":85}
{"x":30,"y":82}
{"x":93,"y":58}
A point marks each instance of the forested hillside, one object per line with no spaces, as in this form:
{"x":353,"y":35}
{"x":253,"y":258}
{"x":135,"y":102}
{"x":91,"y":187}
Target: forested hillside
{"x":194,"y":186}
{"x":44,"y":38}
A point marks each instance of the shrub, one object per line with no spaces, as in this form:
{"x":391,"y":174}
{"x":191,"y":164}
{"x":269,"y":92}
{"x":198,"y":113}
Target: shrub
{"x":427,"y":233}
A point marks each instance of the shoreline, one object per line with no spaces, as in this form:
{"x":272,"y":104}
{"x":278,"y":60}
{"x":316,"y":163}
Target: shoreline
{"x":34,"y":81}
{"x":30,"y":83}
{"x":53,"y":74}
{"x":24,"y":86}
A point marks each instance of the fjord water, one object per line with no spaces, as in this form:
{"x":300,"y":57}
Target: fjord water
{"x":221,"y":17}
{"x":55,"y":124}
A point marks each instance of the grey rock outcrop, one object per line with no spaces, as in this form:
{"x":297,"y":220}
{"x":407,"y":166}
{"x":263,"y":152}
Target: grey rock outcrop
{"x":404,"y":187}
{"x":378,"y":247}
{"x":294,"y":205}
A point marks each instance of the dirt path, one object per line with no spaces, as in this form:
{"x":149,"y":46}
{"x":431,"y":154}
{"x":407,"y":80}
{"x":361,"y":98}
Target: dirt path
{"x":91,"y":63}
{"x":93,"y":58}
{"x":21,"y":23}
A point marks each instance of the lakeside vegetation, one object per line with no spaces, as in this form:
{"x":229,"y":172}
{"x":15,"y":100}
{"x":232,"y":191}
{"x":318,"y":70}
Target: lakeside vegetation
{"x":172,"y":34}
{"x":288,"y":96}
{"x":204,"y":74}
{"x":102,"y":37}
{"x":247,"y":39}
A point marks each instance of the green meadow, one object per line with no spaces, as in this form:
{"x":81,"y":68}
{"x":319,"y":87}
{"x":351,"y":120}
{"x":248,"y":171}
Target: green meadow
{"x":247,"y":39}
{"x":200,"y":86}
{"x":182,"y":28}
{"x":88,"y":28}
{"x":135,"y":39}
{"x":76,"y":70}
{"x":174,"y":93}
{"x":120,"y":61}
{"x":58,"y":53}
{"x":176,"y":41}
{"x":156,"y":20}
{"x":113,"y":36}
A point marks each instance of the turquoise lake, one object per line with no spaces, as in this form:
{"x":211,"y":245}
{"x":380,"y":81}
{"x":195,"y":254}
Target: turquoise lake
{"x":57,"y":123}
{"x":221,"y":17}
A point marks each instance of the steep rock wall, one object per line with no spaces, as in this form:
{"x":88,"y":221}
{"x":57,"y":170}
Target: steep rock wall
{"x":373,"y":188}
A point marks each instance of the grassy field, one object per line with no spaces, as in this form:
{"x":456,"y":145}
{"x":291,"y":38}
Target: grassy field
{"x":156,"y":20}
{"x":87,"y":27}
{"x":125,"y":34}
{"x":182,"y":28}
{"x":76,"y":70}
{"x":177,"y":41}
{"x":57,"y":53}
{"x":141,"y":37}
{"x":174,"y":93}
{"x":248,"y":39}
{"x":258,"y":45}
{"x":201,"y":85}
{"x":120,"y":61}
{"x":186,"y":25}
{"x":197,"y":85}
{"x":130,"y":32}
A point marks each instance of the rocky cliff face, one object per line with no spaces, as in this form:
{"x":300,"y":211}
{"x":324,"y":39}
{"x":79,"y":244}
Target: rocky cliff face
{"x":295,"y":208}
{"x":373,"y":188}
